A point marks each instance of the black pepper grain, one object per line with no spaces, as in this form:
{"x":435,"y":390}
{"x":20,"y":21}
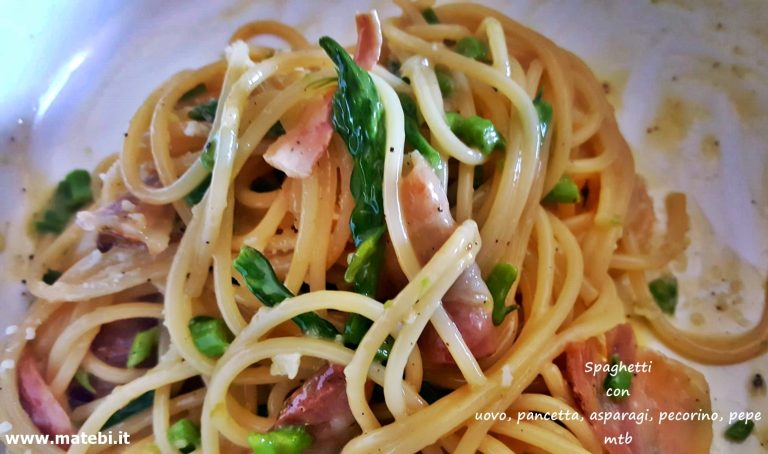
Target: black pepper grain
{"x":758,"y":383}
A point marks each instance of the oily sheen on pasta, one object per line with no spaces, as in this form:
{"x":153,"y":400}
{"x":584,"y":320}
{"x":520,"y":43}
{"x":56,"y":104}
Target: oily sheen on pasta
{"x":304,"y":250}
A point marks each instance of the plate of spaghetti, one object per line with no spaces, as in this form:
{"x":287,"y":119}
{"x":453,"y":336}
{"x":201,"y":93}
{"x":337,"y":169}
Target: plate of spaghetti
{"x":418,"y":227}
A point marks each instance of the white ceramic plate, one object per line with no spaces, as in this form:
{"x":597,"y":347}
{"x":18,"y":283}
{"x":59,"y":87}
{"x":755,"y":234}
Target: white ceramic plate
{"x":687,"y":79}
